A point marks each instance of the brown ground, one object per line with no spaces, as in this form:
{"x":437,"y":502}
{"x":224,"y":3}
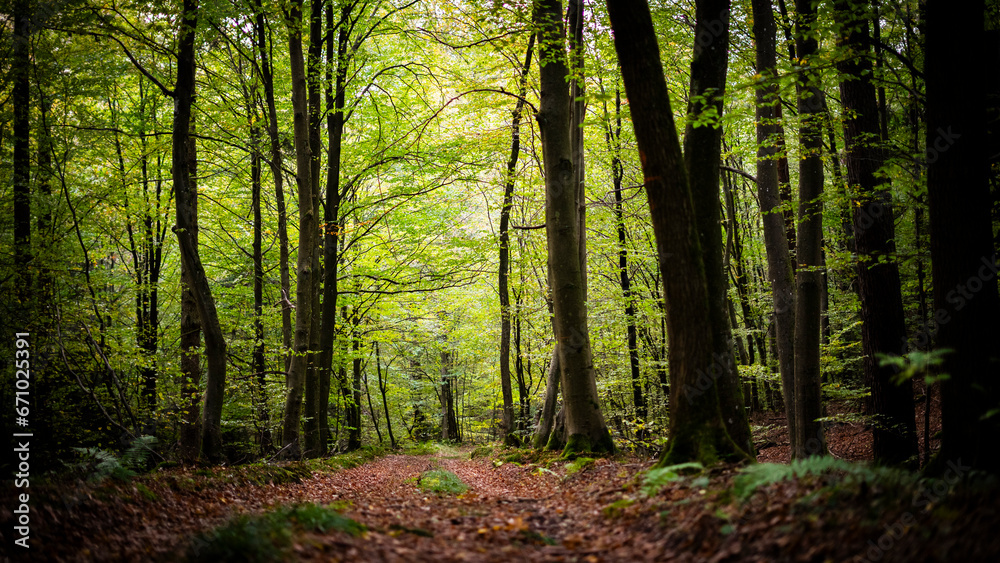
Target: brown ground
{"x":528,"y":512}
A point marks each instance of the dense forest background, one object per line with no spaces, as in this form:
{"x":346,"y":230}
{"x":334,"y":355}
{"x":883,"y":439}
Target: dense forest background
{"x":254,"y":229}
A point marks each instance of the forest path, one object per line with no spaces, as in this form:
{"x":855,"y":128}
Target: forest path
{"x":509,"y":513}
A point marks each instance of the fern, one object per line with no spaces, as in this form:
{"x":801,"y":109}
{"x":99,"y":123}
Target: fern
{"x":656,"y":478}
{"x":139,"y":453}
{"x":762,"y":474}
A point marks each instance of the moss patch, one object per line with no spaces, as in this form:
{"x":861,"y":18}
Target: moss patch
{"x":441,"y":482}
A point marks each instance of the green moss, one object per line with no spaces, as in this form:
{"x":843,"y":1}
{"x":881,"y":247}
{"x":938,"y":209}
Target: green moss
{"x":579,"y":464}
{"x":441,"y":482}
{"x":581,"y":443}
{"x":617,"y":508}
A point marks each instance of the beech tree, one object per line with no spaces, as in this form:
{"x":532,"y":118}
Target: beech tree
{"x":585,"y":426}
{"x":697,"y":429}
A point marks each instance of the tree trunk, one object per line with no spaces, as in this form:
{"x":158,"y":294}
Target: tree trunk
{"x":776,"y":243}
{"x":276,"y":171}
{"x":21,"y":98}
{"x":258,"y":361}
{"x":702,"y":153}
{"x":808,"y":276}
{"x":697,"y":430}
{"x":964,"y":264}
{"x":585,"y":424}
{"x":382,"y":387}
{"x":883,"y":329}
{"x":331,"y":213}
{"x":509,"y":437}
{"x":548,"y":413}
{"x":186,"y":229}
{"x":612,"y":136}
{"x":312,"y":446}
{"x":296,"y":376}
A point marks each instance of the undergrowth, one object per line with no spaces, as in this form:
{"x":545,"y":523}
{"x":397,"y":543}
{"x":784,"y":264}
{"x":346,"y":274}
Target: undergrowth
{"x":267,"y":537}
{"x":441,"y":482}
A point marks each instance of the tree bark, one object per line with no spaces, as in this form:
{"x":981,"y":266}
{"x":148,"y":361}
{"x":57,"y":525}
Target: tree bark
{"x":585,"y":424}
{"x":883,"y":329}
{"x":21,"y":98}
{"x":509,"y":437}
{"x":295,"y":380}
{"x":312,"y":446}
{"x":776,"y":244}
{"x":335,"y":99}
{"x":276,"y":163}
{"x":808,"y":276}
{"x":186,"y":229}
{"x":697,"y":430}
{"x":964,"y":263}
{"x":702,"y":154}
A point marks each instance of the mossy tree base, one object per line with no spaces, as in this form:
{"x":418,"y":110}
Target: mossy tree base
{"x":706,"y":445}
{"x":581,"y":443}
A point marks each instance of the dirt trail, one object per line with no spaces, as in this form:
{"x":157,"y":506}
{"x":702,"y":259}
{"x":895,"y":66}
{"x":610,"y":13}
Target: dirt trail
{"x":534,"y":512}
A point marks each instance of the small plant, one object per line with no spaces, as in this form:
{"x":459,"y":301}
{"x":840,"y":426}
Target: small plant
{"x":421,"y":448}
{"x":439,"y":481}
{"x":761,"y":474}
{"x":579,"y":464}
{"x":100,"y":464}
{"x":267,"y":537}
{"x":657,"y":478}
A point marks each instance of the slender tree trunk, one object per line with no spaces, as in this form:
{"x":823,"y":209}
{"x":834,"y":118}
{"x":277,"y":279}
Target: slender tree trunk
{"x":276,"y":171}
{"x":311,"y":423}
{"x":964,"y":264}
{"x":697,"y":429}
{"x":258,"y":360}
{"x":509,"y":437}
{"x":187,"y":225}
{"x":776,"y":243}
{"x":548,"y":414}
{"x":382,"y":387}
{"x":808,"y":275}
{"x":296,"y":377}
{"x":612,"y":136}
{"x":891,"y":405}
{"x":585,"y":424}
{"x":335,"y":98}
{"x":354,"y":432}
{"x":21,"y":98}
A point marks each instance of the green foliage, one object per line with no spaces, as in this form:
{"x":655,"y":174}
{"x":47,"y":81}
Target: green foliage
{"x":762,"y":474}
{"x":441,"y":482}
{"x":579,"y":464}
{"x":267,"y":537}
{"x":421,"y":448}
{"x":98,"y":464}
{"x":657,"y":478}
{"x":917,"y":363}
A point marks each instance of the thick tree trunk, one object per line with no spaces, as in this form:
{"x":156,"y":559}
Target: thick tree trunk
{"x":891,"y":405}
{"x":964,"y":264}
{"x":702,"y":154}
{"x":697,"y":430}
{"x":776,"y":243}
{"x":509,"y":437}
{"x":296,"y":376}
{"x":808,"y":276}
{"x":585,"y":424}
